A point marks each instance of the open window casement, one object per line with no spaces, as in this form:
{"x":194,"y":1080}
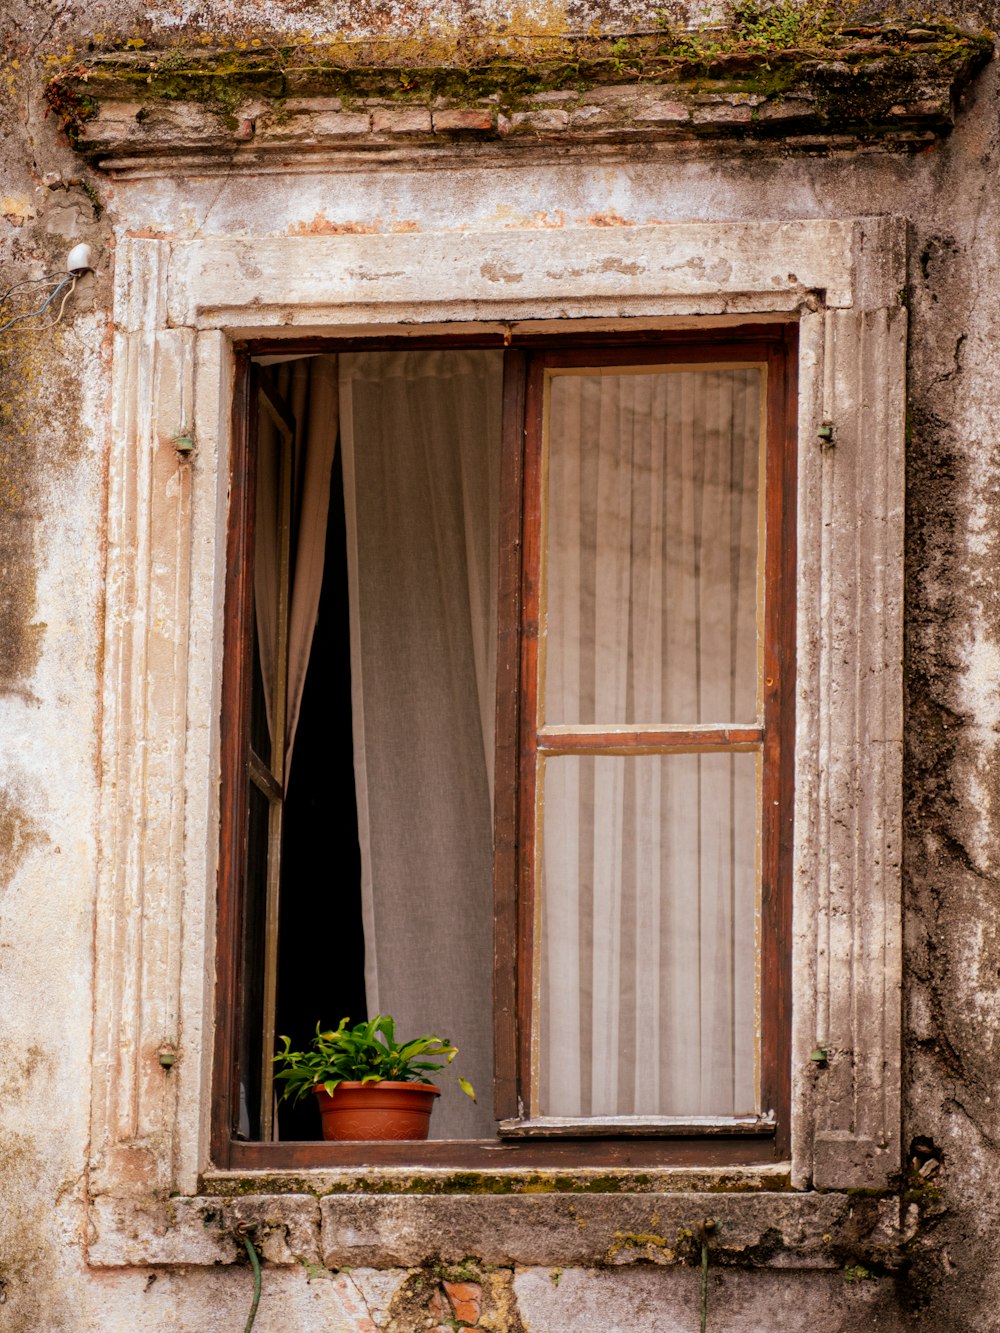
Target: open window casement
{"x":183,"y":310}
{"x":655,"y":790}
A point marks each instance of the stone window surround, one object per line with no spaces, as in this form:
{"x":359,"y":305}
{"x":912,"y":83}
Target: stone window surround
{"x":179,"y":307}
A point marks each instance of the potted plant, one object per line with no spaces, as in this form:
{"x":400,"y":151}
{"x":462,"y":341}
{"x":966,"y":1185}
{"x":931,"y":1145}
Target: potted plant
{"x":369,"y":1085}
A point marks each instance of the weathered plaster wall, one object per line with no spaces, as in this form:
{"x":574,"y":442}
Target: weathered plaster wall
{"x":54,"y":424}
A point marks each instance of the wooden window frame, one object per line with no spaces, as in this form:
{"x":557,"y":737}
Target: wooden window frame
{"x":766,"y":1141}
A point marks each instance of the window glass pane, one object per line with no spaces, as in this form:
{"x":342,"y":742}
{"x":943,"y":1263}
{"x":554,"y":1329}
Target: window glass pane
{"x":652,"y":518}
{"x":648,"y":950}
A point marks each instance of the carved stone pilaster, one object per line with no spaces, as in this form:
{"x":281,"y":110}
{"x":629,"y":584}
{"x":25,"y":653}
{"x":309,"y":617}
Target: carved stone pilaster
{"x":849,"y":757}
{"x":139,"y":901}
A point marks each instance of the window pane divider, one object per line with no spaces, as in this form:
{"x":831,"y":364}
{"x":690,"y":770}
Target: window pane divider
{"x":648,"y":740}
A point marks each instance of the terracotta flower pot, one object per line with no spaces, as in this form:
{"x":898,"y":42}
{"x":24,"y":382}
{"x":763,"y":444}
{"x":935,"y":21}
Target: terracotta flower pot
{"x":377,"y":1110}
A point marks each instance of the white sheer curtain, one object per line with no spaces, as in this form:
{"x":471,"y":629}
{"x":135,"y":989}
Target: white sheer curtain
{"x":309,"y":387}
{"x":420,"y":435}
{"x":649,"y":874}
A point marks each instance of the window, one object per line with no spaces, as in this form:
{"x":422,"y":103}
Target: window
{"x":167,"y":924}
{"x":510,"y":674}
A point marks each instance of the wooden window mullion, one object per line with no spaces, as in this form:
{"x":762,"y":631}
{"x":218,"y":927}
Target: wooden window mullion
{"x":236,"y":687}
{"x":506,"y":851}
{"x":531,"y":556}
{"x":779,"y":739}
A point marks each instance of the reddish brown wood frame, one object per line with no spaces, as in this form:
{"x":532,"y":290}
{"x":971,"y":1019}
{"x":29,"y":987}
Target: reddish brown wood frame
{"x":517,"y":740}
{"x":234,"y":759}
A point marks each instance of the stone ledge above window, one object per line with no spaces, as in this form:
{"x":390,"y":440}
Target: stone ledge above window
{"x":344,"y":1230}
{"x":887,"y":86}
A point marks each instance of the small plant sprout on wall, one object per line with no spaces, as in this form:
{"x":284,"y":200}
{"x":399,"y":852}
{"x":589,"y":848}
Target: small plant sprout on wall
{"x":369,"y":1085}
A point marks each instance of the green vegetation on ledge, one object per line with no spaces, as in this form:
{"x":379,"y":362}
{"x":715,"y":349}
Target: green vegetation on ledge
{"x":853,"y":70}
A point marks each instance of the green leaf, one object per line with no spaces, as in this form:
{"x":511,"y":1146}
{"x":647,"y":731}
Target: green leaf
{"x":365,"y":1052}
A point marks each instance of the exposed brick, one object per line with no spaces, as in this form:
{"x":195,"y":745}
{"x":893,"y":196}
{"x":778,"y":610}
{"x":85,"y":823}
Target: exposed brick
{"x":463,"y":120}
{"x":412,"y":120}
{"x":340,"y":123}
{"x":437,"y":1307}
{"x":101,"y":130}
{"x":293,"y":105}
{"x":820,"y":143}
{"x":466,"y":1300}
{"x":729,"y":99}
{"x":792,"y":109}
{"x":120,"y":110}
{"x":911,"y":136}
{"x":554,"y":97}
{"x":540,"y":120}
{"x":614,"y":93}
{"x":585,"y":116}
{"x":928,"y":107}
{"x":312,"y":125}
{"x":723,"y":115}
{"x":174,"y":123}
{"x":659,"y":113}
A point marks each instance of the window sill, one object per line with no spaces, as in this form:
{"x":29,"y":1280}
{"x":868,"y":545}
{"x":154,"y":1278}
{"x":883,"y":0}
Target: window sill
{"x":567,"y":1150}
{"x":325,"y":1181}
{"x":407,"y":1219}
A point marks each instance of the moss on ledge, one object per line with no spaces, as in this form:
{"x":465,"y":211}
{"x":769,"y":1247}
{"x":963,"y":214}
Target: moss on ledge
{"x":525,"y":1181}
{"x":852,"y":76}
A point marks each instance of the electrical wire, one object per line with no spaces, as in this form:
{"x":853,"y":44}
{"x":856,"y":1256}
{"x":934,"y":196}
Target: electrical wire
{"x":68,"y":281}
{"x":39,"y":328}
{"x":255,"y":1263}
{"x":703,"y":1321}
{"x":29,"y":282}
